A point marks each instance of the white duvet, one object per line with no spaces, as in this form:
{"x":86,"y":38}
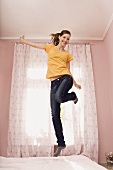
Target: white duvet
{"x":75,"y":162}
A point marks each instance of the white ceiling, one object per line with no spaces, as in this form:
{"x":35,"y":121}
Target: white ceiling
{"x":36,"y":19}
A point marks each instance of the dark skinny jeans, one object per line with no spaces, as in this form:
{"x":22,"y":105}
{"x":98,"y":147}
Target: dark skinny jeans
{"x":59,"y":94}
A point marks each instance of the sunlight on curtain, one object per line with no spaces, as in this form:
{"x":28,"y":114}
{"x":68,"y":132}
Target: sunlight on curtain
{"x":36,"y":106}
{"x":30,"y":127}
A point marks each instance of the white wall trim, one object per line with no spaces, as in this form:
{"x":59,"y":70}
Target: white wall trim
{"x":42,"y":39}
{"x":108,"y":26}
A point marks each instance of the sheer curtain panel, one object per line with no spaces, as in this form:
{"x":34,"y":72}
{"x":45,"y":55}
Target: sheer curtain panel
{"x":31,"y":131}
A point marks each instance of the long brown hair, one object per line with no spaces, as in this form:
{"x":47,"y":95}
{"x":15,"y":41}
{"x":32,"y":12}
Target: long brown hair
{"x":55,"y":37}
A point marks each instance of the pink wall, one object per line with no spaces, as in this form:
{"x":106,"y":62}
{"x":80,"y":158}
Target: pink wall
{"x":6,"y":59}
{"x":102,"y":58}
{"x":108,"y":44}
{"x":104,"y":107}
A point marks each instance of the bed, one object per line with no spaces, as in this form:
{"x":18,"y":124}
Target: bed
{"x":75,"y":162}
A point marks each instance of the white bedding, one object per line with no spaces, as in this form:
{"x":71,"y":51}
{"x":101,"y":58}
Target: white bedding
{"x":75,"y":162}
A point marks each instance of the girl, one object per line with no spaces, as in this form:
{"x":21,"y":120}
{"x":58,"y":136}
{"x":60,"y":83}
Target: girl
{"x":61,"y":79}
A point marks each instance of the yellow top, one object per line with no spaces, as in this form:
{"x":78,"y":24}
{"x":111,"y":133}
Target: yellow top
{"x":57,"y":61}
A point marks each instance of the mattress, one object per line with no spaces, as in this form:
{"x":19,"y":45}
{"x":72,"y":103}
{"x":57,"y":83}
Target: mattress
{"x":74,"y":162}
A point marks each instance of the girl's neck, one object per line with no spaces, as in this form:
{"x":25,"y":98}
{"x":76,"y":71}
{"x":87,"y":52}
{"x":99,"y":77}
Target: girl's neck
{"x":60,"y":48}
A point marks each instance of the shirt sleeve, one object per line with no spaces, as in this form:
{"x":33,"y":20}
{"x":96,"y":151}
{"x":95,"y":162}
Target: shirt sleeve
{"x":48,"y":47}
{"x":69,"y":57}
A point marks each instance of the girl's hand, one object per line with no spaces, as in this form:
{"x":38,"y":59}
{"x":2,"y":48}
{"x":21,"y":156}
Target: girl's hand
{"x":77,"y":86}
{"x":22,"y":38}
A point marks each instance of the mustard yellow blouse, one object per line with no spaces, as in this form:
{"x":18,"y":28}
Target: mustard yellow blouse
{"x":57,"y":61}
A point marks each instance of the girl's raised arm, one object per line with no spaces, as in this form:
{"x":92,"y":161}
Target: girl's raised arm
{"x":35,"y":45}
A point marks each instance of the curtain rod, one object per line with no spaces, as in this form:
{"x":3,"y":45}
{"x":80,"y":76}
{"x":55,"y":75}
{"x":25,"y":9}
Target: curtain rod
{"x":71,"y":43}
{"x":82,"y":43}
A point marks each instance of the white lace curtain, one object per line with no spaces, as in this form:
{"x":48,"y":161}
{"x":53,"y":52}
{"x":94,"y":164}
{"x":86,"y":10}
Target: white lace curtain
{"x":31,"y":131}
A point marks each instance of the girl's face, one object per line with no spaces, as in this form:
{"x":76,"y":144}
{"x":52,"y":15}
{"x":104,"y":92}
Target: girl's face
{"x":64,"y":40}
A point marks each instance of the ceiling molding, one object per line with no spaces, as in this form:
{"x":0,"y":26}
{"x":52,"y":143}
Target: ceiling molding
{"x":85,"y":38}
{"x":42,"y":39}
{"x":108,"y":26}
